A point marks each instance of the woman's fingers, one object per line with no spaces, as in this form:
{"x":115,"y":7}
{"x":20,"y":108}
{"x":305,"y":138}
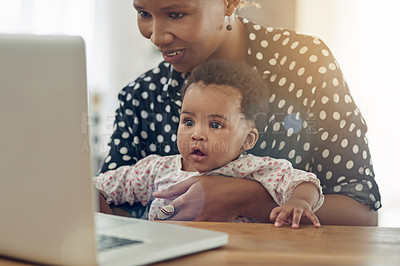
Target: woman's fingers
{"x":187,"y":206}
{"x":177,"y":189}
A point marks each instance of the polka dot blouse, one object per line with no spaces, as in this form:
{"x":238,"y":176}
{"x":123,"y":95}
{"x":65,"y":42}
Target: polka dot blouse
{"x":314,"y":122}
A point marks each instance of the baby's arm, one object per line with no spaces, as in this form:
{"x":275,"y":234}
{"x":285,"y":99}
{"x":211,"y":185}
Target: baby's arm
{"x":116,"y":185}
{"x":303,"y":200}
{"x":298,"y":192}
{"x":281,"y":180}
{"x":128,"y":183}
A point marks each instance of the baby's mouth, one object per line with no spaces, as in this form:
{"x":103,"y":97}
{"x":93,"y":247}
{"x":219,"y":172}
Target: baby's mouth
{"x":198,"y":155}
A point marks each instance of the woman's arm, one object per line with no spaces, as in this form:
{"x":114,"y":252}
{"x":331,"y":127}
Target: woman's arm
{"x":220,"y":199}
{"x":103,"y":205}
{"x":343,"y":210}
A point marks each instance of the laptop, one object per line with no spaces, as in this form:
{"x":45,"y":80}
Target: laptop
{"x":47,"y":202}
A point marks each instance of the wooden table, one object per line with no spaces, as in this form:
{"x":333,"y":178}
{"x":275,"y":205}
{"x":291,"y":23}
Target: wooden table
{"x":252,"y":244}
{"x":263,"y":244}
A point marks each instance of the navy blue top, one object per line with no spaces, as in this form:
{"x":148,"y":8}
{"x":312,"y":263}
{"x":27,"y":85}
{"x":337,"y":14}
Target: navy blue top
{"x":314,"y":122}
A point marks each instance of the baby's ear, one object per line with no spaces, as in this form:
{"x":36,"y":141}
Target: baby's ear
{"x":251,"y":139}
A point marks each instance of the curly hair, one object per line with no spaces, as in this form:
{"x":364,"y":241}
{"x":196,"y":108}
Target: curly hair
{"x":252,"y":87}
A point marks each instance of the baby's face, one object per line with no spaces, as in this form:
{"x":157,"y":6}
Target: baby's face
{"x":212,"y":129}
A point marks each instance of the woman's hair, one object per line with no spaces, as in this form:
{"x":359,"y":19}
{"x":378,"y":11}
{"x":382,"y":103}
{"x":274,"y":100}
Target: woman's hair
{"x":245,"y":3}
{"x":252,"y":87}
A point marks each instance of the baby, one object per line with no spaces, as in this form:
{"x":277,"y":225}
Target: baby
{"x":224,"y":109}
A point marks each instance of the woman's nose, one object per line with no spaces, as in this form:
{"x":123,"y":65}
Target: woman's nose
{"x":160,"y":35}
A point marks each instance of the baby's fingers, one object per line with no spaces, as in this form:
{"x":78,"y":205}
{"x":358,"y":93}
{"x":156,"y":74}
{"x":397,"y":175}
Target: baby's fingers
{"x":274,"y":213}
{"x":283,"y":216}
{"x":313,"y":218}
{"x":297,"y":214}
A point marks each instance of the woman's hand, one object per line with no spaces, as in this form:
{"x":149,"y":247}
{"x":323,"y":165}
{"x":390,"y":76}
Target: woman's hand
{"x":218,"y":198}
{"x":291,"y":213}
{"x":103,"y":205}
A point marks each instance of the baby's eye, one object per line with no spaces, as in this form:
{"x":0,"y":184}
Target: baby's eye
{"x":188,"y":122}
{"x":144,"y":14}
{"x":216,"y":125}
{"x":176,"y":15}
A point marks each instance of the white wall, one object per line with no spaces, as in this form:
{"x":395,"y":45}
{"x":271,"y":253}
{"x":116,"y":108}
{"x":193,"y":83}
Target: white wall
{"x":363,"y":35}
{"x":119,"y":55}
{"x":272,"y":13}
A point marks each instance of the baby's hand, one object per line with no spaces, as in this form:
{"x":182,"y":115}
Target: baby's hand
{"x":291,"y":213}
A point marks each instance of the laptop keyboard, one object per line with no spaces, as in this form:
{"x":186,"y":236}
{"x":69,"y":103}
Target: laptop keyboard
{"x":105,"y":242}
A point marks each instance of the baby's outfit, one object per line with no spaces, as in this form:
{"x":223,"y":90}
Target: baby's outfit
{"x":136,"y":183}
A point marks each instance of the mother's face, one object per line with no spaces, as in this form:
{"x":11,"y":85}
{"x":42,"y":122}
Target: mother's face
{"x":186,"y":32}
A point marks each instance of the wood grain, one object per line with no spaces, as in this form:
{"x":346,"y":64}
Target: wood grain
{"x":252,"y":244}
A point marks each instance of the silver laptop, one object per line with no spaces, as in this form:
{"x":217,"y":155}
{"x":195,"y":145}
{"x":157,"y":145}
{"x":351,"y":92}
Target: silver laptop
{"x":46,"y":198}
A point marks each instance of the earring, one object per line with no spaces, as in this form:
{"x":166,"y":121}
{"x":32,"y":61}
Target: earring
{"x":228,"y":26}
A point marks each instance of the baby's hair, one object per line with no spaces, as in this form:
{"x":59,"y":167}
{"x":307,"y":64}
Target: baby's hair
{"x":252,"y":87}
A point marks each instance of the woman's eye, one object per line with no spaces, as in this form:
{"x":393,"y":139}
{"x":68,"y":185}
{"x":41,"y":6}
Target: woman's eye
{"x":188,"y":122}
{"x":144,"y":14}
{"x":216,"y":125}
{"x":176,"y":15}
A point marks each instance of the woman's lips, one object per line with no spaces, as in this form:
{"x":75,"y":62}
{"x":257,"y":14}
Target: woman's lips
{"x":174,"y":57}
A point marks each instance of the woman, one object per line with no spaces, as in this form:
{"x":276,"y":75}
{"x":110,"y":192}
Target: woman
{"x":314,"y":122}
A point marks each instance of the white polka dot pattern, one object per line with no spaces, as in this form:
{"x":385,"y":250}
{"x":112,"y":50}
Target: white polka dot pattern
{"x":311,"y":84}
{"x":327,"y":136}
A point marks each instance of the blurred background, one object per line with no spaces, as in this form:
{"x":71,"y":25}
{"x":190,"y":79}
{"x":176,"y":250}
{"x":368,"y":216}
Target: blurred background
{"x":362,"y":34}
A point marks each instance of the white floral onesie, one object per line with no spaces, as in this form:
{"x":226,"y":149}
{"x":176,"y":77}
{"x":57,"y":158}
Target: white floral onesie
{"x":136,"y":183}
